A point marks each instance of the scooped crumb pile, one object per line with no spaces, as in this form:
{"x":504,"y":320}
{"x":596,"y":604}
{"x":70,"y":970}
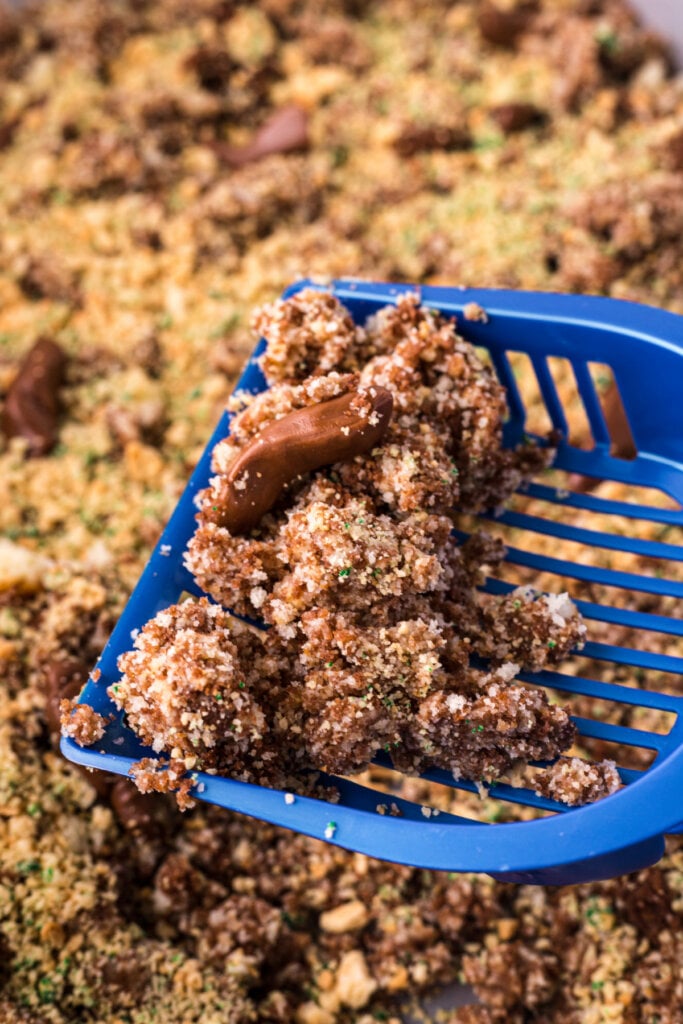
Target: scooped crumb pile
{"x":376,"y":620}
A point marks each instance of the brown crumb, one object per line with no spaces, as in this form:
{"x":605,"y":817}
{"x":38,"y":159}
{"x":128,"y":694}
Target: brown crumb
{"x":574,"y":782}
{"x":81,"y":723}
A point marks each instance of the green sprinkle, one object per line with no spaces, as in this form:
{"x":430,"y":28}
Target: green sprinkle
{"x":214,"y":508}
{"x":361,"y":521}
{"x":597,"y":985}
{"x":608,"y":40}
{"x":516,"y":604}
{"x":552,"y":643}
{"x":25,"y":867}
{"x":218,"y":696}
{"x":330,"y":664}
{"x":34,"y":809}
{"x":347,"y":526}
{"x":241,"y":684}
{"x":455,"y":471}
{"x":488,"y":142}
{"x":343,"y":573}
{"x":46,"y":990}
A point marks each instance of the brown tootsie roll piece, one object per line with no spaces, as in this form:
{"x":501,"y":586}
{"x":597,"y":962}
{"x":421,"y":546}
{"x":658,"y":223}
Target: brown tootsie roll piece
{"x":286,"y":131}
{"x":332,"y":431}
{"x":32,"y":405}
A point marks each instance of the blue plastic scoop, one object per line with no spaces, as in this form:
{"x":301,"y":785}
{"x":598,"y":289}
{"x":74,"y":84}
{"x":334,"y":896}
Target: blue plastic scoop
{"x":621,"y":833}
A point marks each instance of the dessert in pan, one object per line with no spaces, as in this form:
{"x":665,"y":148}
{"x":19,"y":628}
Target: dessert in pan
{"x":443,"y":143}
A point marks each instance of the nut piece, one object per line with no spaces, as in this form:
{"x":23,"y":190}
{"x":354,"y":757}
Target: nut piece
{"x":345,"y":918}
{"x":32,"y":405}
{"x":311,"y":1013}
{"x":355,"y":984}
{"x":305,"y":440}
{"x":21,"y":568}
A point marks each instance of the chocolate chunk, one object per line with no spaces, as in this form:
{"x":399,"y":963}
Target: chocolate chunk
{"x":513,"y":117}
{"x":421,"y":138}
{"x":213,"y":67}
{"x":44,"y":277}
{"x":148,"y":353}
{"x":147,"y":814}
{"x":673,"y":151}
{"x":32,"y":405}
{"x":10,"y":32}
{"x":646,"y":903}
{"x":502,"y":27}
{"x":125,"y":976}
{"x":286,"y":131}
{"x":7,"y":131}
{"x":64,"y":679}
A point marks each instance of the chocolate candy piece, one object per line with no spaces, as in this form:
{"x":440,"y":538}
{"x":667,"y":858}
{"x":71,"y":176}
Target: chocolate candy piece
{"x":305,"y":440}
{"x":285,"y":131}
{"x":32,"y":405}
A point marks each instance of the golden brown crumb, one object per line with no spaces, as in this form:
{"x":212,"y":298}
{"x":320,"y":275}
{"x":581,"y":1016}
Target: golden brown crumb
{"x":574,"y":781}
{"x":81,"y":723}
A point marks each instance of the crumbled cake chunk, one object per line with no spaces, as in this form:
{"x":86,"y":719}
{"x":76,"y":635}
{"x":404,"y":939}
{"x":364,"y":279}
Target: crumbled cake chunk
{"x":575,"y":782}
{"x":81,"y":723}
{"x":310,"y":333}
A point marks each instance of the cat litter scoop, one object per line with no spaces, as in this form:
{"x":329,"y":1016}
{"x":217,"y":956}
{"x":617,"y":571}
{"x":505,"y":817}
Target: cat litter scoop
{"x":643,"y":350}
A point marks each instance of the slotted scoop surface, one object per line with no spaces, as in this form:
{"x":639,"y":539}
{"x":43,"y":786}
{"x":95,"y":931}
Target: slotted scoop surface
{"x":624,"y":832}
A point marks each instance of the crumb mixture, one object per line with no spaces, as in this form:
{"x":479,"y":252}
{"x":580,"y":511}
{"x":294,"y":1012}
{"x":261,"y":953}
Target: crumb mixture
{"x":152,"y":194}
{"x":376,"y":619}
